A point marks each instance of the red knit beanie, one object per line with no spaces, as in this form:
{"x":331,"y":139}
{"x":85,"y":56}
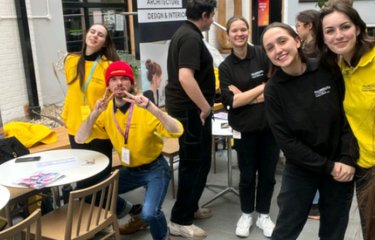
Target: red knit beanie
{"x":119,"y":68}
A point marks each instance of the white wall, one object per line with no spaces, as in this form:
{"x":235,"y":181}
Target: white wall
{"x":13,"y":94}
{"x":48,"y":36}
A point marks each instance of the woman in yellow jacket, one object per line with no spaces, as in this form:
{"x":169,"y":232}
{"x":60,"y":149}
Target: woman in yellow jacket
{"x":345,"y":40}
{"x":85,"y":77}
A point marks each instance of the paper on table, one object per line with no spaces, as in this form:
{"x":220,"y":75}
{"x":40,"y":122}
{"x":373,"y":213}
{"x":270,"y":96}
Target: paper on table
{"x":39,"y":180}
{"x":58,"y":163}
{"x":221,"y":115}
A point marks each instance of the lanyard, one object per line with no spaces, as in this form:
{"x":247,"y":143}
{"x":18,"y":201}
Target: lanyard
{"x":127,"y":129}
{"x":89,"y":79}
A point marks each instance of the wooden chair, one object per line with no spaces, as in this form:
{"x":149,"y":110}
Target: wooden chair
{"x":81,"y":220}
{"x":23,"y":227}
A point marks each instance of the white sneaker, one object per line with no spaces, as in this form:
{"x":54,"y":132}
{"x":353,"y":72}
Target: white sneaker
{"x":265,"y":223}
{"x":186,"y":231}
{"x":243,"y":225}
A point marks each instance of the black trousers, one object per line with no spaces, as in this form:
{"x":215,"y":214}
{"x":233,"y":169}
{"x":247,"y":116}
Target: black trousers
{"x":297,"y":192}
{"x":256,"y":152}
{"x":99,"y":145}
{"x":194,"y":166}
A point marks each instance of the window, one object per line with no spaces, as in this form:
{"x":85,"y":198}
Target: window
{"x":80,"y":14}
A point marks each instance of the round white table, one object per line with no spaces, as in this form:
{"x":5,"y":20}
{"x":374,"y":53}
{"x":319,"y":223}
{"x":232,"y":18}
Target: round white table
{"x":74,"y":164}
{"x":4,"y":196}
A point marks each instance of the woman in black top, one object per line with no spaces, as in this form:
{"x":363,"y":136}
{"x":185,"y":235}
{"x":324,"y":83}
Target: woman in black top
{"x":304,"y":108}
{"x":242,"y":80}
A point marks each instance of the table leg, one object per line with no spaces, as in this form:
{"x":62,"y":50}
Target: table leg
{"x":229,"y":187}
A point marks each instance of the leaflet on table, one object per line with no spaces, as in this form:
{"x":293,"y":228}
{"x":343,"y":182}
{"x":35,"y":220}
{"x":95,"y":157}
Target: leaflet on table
{"x":221,"y":115}
{"x":39,"y":179}
{"x":57,"y":164}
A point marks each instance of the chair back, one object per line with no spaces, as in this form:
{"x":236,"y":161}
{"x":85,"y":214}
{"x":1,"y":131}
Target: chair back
{"x":92,"y":209}
{"x":23,"y":227}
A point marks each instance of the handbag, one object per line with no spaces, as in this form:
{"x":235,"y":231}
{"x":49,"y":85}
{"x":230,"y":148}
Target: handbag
{"x":11,"y":148}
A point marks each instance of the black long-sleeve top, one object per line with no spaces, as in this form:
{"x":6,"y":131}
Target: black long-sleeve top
{"x":245,"y":74}
{"x":307,"y":118}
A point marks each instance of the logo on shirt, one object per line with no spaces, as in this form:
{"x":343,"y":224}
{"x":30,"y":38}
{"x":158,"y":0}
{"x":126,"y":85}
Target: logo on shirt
{"x":322,"y":91}
{"x":368,"y":87}
{"x":257,"y":74}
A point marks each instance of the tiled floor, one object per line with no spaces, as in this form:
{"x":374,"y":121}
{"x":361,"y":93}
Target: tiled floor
{"x":227,"y":211}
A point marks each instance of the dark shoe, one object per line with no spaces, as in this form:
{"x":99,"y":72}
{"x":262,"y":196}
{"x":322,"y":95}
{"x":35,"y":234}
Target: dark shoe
{"x":314,"y":212}
{"x":134,"y":225}
{"x":203,"y":213}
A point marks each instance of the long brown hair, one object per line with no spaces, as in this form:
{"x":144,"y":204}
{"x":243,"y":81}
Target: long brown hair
{"x":364,"y":42}
{"x":108,"y":51}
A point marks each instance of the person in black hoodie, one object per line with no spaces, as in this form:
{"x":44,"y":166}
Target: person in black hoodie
{"x":243,"y":75}
{"x":304,"y":108}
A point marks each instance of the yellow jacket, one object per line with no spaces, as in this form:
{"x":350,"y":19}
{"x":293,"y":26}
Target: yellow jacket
{"x":359,"y":105}
{"x":74,"y":99}
{"x":145,"y":141}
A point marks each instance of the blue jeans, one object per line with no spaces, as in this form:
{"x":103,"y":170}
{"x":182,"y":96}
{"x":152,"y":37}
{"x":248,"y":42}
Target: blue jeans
{"x":155,"y":178}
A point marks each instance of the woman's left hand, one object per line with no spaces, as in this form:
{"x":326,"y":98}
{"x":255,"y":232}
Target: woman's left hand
{"x":343,"y":172}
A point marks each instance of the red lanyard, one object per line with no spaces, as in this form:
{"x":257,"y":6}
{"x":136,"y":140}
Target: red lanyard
{"x":127,"y":129}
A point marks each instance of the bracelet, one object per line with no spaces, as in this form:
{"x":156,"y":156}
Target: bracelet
{"x":147,"y":104}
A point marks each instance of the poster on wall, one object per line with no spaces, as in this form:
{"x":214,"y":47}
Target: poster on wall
{"x":263,"y":13}
{"x":158,"y":21}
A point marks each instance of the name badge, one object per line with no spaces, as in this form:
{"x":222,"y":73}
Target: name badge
{"x":125,"y":156}
{"x":85,"y":112}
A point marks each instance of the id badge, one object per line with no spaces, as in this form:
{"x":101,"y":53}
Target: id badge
{"x":236,"y":134}
{"x":85,"y":112}
{"x":125,"y":156}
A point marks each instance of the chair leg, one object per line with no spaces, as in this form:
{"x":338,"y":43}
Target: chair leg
{"x":171,"y":158}
{"x":213,"y":153}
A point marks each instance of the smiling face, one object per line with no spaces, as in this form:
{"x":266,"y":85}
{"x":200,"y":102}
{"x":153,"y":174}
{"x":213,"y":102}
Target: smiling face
{"x":281,"y":47}
{"x":340,"y":34}
{"x":238,"y":33}
{"x":95,"y":38}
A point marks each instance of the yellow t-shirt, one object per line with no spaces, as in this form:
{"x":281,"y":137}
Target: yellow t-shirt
{"x":359,"y":105}
{"x":145,"y":134}
{"x":75,"y":99}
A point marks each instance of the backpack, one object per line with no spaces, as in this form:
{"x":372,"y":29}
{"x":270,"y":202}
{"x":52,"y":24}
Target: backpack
{"x":11,"y":148}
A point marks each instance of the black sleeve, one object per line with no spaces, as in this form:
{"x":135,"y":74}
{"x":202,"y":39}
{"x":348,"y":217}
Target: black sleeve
{"x":295,"y":151}
{"x":225,"y":78}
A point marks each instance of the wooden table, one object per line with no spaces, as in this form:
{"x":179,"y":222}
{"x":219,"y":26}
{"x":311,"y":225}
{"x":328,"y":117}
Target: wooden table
{"x":62,"y":142}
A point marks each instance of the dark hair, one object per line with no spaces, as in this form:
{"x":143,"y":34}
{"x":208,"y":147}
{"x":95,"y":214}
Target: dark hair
{"x":291,"y":32}
{"x":108,"y":50}
{"x":310,"y":16}
{"x":153,"y":68}
{"x":195,"y":8}
{"x":363,"y":44}
{"x":235,"y":18}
